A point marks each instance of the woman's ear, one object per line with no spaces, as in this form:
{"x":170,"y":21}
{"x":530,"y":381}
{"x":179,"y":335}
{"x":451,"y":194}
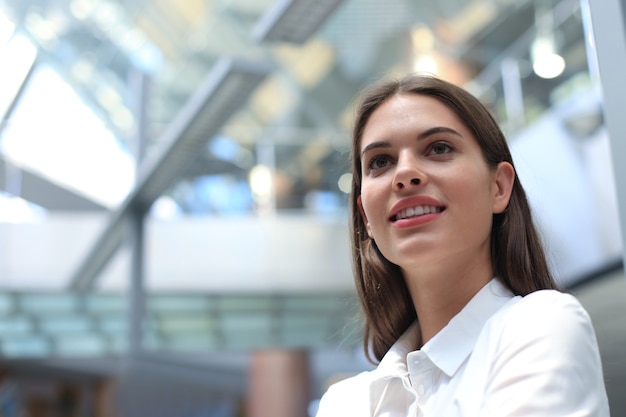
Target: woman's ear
{"x":504,"y":178}
{"x":364,"y":217}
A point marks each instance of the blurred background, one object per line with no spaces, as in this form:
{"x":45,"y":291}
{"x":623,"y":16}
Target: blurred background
{"x":174,"y":179}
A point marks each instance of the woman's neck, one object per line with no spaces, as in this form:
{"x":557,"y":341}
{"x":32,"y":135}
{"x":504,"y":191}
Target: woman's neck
{"x":441,"y":293}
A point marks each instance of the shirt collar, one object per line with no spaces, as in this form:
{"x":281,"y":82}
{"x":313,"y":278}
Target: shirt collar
{"x":394,"y":361}
{"x":454,"y":343}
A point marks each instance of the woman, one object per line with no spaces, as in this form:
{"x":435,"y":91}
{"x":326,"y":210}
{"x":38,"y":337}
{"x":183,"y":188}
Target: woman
{"x":460,"y":307}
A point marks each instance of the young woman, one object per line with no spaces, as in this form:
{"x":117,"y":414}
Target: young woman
{"x":461,"y":312}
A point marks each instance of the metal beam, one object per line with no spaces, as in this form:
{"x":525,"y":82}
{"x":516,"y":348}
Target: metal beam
{"x":45,"y":193}
{"x":293,"y":21}
{"x":224,"y":91}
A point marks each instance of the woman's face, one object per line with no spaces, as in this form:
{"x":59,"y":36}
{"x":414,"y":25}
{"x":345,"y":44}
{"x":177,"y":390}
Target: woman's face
{"x":427,"y":194}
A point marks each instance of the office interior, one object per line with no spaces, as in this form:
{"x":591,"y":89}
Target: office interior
{"x":174,"y":181}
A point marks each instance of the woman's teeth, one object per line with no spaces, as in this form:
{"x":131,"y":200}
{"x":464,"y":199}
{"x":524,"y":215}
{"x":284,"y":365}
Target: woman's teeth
{"x":417,"y":211}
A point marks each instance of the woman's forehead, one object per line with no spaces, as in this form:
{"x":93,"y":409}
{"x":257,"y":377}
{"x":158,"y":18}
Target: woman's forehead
{"x":410,"y":112}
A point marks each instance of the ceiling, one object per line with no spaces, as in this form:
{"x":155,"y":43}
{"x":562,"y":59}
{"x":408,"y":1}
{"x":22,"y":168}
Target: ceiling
{"x":297,"y":121}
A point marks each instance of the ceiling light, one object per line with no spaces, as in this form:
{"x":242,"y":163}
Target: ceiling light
{"x":546,"y":62}
{"x":293,"y":21}
{"x":261,"y":182}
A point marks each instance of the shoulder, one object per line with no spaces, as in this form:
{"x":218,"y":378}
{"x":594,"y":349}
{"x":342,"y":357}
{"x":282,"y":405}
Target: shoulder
{"x":550,"y":298}
{"x":540,"y":350}
{"x":548,"y":308}
{"x":549,"y":323}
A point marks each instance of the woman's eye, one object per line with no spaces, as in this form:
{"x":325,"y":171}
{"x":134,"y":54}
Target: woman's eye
{"x":440,"y":148}
{"x":378,"y":162}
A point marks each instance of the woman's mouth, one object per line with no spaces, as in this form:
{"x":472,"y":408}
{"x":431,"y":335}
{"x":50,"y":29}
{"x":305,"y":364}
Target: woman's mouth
{"x":415,"y":212}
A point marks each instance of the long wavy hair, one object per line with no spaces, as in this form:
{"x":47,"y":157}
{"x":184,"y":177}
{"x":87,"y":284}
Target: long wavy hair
{"x":517,"y":254}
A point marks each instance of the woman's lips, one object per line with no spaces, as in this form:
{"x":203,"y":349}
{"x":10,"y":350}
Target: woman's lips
{"x":415,"y":206}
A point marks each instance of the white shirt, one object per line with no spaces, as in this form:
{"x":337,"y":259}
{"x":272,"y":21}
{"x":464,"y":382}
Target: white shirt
{"x":501,"y":356}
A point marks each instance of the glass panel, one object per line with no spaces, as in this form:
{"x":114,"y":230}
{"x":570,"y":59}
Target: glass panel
{"x":15,"y":325}
{"x":189,"y":342}
{"x":167,"y":303}
{"x":31,"y":347}
{"x":244,"y":303}
{"x":80,"y":345}
{"x":105,"y":303}
{"x":322,"y":303}
{"x":178,"y":323}
{"x":44,"y":303}
{"x":68,"y":324}
{"x":7,"y":303}
{"x":113,"y":324}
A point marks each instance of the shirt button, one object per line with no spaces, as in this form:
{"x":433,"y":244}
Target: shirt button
{"x":420,"y":389}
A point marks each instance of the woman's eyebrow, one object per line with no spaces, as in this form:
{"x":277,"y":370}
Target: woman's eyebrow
{"x":375,"y":145}
{"x":435,"y":130}
{"x":424,"y":135}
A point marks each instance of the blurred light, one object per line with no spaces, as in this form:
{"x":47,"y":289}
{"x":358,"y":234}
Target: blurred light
{"x":108,"y":16}
{"x":423,"y":38}
{"x":111,"y":100}
{"x":224,"y":148}
{"x":147,"y":57}
{"x":549,"y":66}
{"x":308,"y":63}
{"x":273,"y":99}
{"x":546,"y":62}
{"x":81,"y":9}
{"x":83,"y":69}
{"x":165,"y":208}
{"x":114,"y":23}
{"x":108,"y":97}
{"x":345,"y":183}
{"x":261,"y":181}
{"x":43,"y":30}
{"x":425,"y":63}
{"x":122,"y":118}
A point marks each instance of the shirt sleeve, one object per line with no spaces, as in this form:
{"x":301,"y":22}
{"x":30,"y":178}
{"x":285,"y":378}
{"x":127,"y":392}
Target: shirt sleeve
{"x":547,"y":362}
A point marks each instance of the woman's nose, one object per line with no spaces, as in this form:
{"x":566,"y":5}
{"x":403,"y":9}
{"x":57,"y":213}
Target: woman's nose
{"x":407,"y":174}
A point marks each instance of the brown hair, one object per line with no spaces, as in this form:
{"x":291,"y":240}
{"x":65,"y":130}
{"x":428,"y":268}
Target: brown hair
{"x":517,"y":254}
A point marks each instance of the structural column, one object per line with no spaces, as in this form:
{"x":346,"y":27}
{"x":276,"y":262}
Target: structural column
{"x":608,"y":20}
{"x":279,"y":383}
{"x":104,"y":393}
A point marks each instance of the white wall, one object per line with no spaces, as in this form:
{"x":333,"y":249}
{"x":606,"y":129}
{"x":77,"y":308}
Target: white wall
{"x":286,"y":253}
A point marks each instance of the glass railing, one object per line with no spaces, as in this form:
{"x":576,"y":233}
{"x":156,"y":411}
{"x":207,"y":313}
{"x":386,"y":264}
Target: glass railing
{"x":35,"y":325}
